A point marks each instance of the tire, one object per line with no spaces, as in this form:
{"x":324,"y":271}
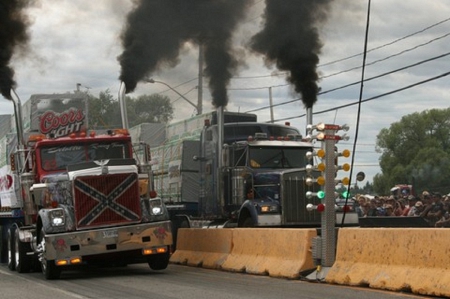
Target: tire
{"x":22,"y":259}
{"x":49,"y":268}
{"x":248,"y":222}
{"x":177,"y":223}
{"x":159,"y":261}
{"x":11,"y":248}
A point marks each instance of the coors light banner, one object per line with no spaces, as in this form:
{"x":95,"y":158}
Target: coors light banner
{"x":58,"y":114}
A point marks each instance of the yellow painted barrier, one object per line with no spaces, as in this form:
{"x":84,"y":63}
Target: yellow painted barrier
{"x":206,"y":248}
{"x":274,"y":252}
{"x":266,"y":251}
{"x":412,"y":259}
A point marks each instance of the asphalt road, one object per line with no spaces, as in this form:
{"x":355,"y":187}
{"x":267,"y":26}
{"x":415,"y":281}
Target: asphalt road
{"x":138,"y":281}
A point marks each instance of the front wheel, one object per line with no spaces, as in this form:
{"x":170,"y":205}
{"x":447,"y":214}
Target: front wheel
{"x":49,"y":268}
{"x":22,"y":259}
{"x":11,"y":248}
{"x":159,"y":261}
{"x":248,"y":222}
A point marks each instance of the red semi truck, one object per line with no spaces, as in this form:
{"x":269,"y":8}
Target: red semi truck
{"x":74,"y":196}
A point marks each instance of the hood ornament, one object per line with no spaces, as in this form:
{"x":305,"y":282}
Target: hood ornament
{"x":103,"y":166}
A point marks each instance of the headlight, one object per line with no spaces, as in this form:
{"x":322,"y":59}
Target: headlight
{"x":156,"y":207}
{"x":269,"y":209}
{"x":57,"y":217}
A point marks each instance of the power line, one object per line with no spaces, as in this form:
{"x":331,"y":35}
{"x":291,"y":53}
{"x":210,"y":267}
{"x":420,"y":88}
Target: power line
{"x":388,"y":44}
{"x":358,"y":82}
{"x":358,"y":67}
{"x":372,"y":98}
{"x":388,"y":57}
{"x":355,"y":55}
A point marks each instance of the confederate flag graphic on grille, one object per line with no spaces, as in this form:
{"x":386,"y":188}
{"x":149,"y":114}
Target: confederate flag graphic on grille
{"x":107,"y":199}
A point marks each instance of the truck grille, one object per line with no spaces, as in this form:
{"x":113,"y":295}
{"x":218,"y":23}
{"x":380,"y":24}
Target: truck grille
{"x":294,"y":200}
{"x":106,"y":200}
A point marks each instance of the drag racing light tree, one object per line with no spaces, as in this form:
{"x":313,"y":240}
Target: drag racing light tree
{"x":326,"y":133}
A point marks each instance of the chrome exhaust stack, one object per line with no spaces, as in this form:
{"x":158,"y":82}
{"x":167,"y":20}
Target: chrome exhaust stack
{"x":309,"y":120}
{"x":18,"y":117}
{"x":123,"y":106}
{"x":220,"y":140}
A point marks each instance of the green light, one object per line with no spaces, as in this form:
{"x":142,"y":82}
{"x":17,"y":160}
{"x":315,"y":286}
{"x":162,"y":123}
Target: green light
{"x":345,"y":194}
{"x":321,"y":194}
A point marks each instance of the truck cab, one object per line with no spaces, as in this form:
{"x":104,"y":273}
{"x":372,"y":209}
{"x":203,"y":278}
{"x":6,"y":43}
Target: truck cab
{"x":262,"y":179}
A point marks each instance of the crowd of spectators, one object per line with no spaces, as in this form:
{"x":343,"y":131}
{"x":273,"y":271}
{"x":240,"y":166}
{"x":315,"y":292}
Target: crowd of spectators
{"x":431,"y":206}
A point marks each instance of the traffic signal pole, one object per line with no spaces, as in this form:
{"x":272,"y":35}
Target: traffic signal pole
{"x":324,"y":246}
{"x":329,"y":214}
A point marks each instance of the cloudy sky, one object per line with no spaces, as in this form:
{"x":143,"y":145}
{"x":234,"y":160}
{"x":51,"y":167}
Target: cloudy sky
{"x":78,"y":41}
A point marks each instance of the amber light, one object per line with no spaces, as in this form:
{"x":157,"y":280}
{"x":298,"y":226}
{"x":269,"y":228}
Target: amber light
{"x":61,"y":262}
{"x":75,"y":260}
{"x":34,"y":138}
{"x":121,"y":131}
{"x":155,"y":250}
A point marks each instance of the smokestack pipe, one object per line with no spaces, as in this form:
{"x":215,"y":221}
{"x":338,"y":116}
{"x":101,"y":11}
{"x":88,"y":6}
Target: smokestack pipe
{"x":123,"y":106}
{"x":220,"y":138}
{"x":309,"y":119}
{"x":18,"y":117}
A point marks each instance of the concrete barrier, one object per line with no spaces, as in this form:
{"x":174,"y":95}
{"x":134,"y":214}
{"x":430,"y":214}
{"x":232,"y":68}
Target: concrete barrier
{"x":206,"y":248}
{"x":396,"y":259}
{"x":274,"y":252}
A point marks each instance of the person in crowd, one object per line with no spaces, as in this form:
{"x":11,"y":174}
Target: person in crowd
{"x":400,"y":206}
{"x":445,"y":220}
{"x":390,"y":200}
{"x":417,"y":209}
{"x":389,"y":210}
{"x":361,"y":208}
{"x":372,"y":211}
{"x":411,"y":203}
{"x":434,"y":209}
{"x":380,"y":207}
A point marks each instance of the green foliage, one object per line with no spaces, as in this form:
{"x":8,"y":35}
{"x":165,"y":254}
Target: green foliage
{"x":153,"y":108}
{"x":415,"y":150}
{"x":104,"y":111}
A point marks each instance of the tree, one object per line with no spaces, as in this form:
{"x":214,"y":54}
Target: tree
{"x":153,"y":108}
{"x":415,"y":150}
{"x":104,"y":111}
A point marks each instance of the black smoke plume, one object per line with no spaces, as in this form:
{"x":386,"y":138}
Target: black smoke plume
{"x":290,"y":39}
{"x":13,"y":34}
{"x":157,"y":29}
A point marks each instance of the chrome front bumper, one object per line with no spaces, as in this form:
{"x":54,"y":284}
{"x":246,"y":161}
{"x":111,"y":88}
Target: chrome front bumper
{"x":108,"y":240}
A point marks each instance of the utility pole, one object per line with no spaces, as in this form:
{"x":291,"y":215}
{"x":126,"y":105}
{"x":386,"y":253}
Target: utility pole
{"x":200,"y":79}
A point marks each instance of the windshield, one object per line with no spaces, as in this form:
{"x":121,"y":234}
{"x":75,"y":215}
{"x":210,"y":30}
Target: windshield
{"x":58,"y":157}
{"x":278,"y":157}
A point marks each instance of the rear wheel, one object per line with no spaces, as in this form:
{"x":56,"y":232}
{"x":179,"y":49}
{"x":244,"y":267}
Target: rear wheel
{"x":49,"y":268}
{"x":11,"y":248}
{"x":22,"y":259}
{"x":159,"y":261}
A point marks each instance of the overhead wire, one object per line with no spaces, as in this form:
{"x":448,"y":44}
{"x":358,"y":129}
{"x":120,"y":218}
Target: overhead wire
{"x":355,"y":55}
{"x":358,"y":82}
{"x":371,"y":98}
